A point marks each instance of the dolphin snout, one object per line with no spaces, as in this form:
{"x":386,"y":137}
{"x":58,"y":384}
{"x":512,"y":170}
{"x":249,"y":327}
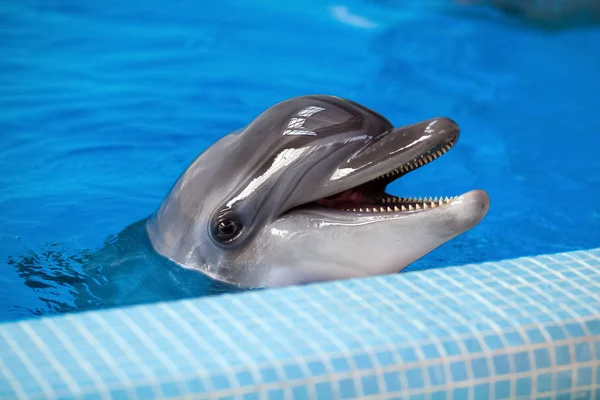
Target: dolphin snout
{"x":468,"y":210}
{"x":443,"y":126}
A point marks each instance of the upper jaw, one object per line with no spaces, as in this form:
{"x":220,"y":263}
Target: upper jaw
{"x":392,"y":150}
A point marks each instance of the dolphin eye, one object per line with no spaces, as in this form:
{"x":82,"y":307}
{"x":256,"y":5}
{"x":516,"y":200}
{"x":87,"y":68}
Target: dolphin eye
{"x":226,"y":229}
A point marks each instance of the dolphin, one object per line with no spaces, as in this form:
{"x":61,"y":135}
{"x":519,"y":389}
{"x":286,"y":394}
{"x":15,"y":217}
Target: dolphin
{"x":299,"y":196}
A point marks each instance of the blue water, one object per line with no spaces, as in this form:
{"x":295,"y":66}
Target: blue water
{"x":103,"y":104}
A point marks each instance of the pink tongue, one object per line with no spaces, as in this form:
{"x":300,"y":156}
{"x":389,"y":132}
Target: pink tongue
{"x":349,"y":198}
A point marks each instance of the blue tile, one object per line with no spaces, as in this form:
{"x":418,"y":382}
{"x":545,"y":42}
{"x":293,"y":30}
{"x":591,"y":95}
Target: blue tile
{"x":370,"y":385}
{"x":437,"y":375}
{"x":324,"y":391}
{"x":170,"y":389}
{"x":275,"y":394}
{"x":458,"y":371}
{"x":535,"y":336}
{"x":407,"y":354}
{"x":460,"y":393}
{"x":480,"y":368}
{"x":362,"y":361}
{"x":493,"y":342}
{"x":501,"y":365}
{"x":293,"y":371}
{"x":451,"y":348}
{"x":563,"y":355}
{"x":563,"y":396}
{"x":481,"y":391}
{"x":524,"y":387}
{"x":430,"y":351}
{"x":556,"y":333}
{"x":347,"y":389}
{"x":195,"y":386}
{"x":584,"y":376}
{"x":502,"y":390}
{"x":440,"y":395}
{"x":300,"y":393}
{"x":340,"y":365}
{"x":317,"y":368}
{"x":542,"y":358}
{"x":269,"y":375}
{"x":119,"y":394}
{"x":414,"y":378}
{"x":392,"y":381}
{"x":145,"y":392}
{"x":220,"y":382}
{"x":583,"y":352}
{"x":244,"y":378}
{"x":593,"y":327}
{"x":472,"y":346}
{"x":574,"y":330}
{"x":91,"y":396}
{"x":385,"y":358}
{"x":514,"y":339}
{"x":544,"y":383}
{"x":522,"y":362}
{"x":564,"y":380}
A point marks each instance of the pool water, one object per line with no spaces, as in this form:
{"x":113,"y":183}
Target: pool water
{"x":103,"y":104}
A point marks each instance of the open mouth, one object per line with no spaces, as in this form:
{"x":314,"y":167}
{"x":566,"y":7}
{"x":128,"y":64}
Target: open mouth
{"x":371,"y":196}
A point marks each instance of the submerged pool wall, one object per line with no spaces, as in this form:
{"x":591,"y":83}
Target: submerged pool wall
{"x":524,"y":328}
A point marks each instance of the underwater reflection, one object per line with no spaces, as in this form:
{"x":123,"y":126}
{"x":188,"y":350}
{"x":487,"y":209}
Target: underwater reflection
{"x":125,"y":271}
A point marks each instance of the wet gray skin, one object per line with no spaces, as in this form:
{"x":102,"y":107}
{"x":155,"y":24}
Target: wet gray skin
{"x":299,"y":196}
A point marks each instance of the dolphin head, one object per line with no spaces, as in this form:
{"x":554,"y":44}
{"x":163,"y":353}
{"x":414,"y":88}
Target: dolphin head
{"x":299,"y":196}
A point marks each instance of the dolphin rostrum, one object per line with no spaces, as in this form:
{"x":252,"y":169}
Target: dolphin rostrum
{"x":299,"y":196}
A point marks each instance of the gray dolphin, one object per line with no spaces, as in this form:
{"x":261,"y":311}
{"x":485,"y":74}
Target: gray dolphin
{"x":299,"y":196}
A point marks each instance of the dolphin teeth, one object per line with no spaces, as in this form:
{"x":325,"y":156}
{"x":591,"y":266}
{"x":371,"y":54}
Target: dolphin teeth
{"x":433,"y":205}
{"x":441,"y":202}
{"x":418,"y":206}
{"x":446,"y":199}
{"x":410,"y":207}
{"x":429,"y":158}
{"x":368,"y":210}
{"x":425,"y":206}
{"x":388,"y":209}
{"x":354,"y":209}
{"x":360,"y":209}
{"x":420,"y":200}
{"x":403,"y":208}
{"x":435,"y":199}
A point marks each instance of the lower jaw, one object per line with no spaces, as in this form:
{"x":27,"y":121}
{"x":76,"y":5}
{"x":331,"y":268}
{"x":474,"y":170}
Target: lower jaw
{"x":386,"y":203}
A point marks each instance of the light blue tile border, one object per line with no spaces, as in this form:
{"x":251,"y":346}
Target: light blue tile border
{"x":524,"y":328}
